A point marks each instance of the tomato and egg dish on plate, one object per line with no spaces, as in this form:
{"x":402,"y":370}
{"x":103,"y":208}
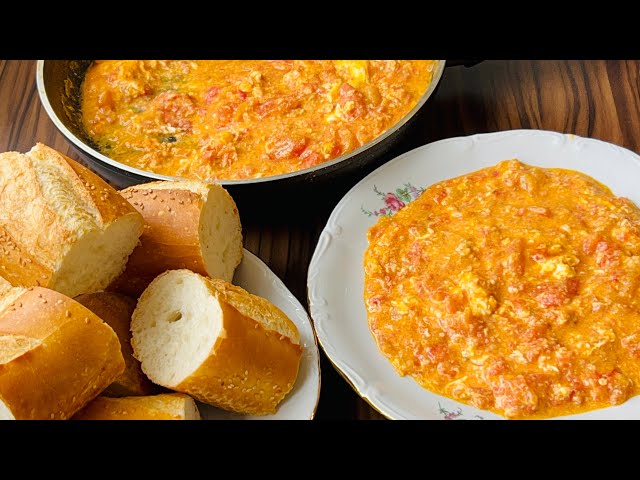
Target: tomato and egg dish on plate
{"x":515,"y":289}
{"x":236,"y":119}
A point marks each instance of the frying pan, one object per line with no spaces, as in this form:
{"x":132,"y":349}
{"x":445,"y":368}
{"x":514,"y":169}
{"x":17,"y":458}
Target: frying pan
{"x":59,"y":87}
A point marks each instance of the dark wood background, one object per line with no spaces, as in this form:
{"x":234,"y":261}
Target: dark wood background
{"x":599,"y":99}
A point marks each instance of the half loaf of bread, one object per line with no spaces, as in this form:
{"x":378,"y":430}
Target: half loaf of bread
{"x":55,"y":355}
{"x":61,"y":226}
{"x":188,"y":224}
{"x":216,"y":342}
{"x":116,"y":310}
{"x":168,"y":406}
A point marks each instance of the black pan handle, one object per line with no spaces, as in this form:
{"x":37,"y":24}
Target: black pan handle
{"x":466,"y":63}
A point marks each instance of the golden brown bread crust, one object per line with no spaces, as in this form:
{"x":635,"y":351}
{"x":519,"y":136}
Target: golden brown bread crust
{"x":168,"y":406}
{"x":257,"y":308}
{"x":116,"y":310}
{"x":55,"y":355}
{"x":19,"y":234}
{"x":171,"y":237}
{"x":250,"y":369}
{"x":107,"y":200}
{"x":252,"y":366}
{"x":34,"y":249}
{"x":4,"y":285}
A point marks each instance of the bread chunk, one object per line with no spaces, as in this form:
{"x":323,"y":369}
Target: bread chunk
{"x":215,"y":342}
{"x":61,"y":226}
{"x":188,"y":224}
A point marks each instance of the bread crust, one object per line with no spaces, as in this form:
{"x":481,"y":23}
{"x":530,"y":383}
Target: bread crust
{"x":171,"y":238}
{"x":106,"y":199}
{"x":251,"y":366}
{"x":116,"y":310}
{"x":168,"y":406}
{"x":4,"y":286}
{"x":55,"y":355}
{"x":34,"y":250}
{"x":257,"y":308}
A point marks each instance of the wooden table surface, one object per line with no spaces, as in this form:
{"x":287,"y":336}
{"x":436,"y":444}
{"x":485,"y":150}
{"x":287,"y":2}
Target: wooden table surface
{"x":599,"y":99}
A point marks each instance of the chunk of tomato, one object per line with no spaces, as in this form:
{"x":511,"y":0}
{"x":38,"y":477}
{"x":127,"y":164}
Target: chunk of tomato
{"x":284,"y":148}
{"x":211,"y":94}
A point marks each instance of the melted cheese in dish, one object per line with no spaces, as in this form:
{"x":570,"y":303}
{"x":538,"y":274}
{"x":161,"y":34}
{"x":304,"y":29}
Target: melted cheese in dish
{"x":226,"y":120}
{"x":514,"y":289}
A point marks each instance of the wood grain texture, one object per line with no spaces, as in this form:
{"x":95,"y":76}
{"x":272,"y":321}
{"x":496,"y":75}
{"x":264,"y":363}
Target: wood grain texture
{"x":599,"y":99}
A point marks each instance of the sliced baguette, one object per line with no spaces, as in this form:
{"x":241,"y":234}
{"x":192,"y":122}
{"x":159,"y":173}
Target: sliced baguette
{"x":116,"y":310}
{"x":215,"y":342}
{"x":188,"y":224}
{"x":55,"y":355}
{"x":168,"y":406}
{"x":61,"y":226}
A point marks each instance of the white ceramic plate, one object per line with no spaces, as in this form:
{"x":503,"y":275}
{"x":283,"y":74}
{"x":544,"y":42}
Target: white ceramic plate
{"x":336,"y":275}
{"x":300,"y":404}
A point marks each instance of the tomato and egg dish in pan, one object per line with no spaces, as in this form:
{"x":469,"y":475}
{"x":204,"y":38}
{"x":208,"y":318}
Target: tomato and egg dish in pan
{"x":236,"y":119}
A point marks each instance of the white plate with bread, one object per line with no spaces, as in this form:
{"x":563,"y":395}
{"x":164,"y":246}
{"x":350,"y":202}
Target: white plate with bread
{"x":140,"y":304}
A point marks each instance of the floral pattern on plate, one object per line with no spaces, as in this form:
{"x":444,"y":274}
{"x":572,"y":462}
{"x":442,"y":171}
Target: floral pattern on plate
{"x":455,"y":414}
{"x":394,"y":201}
